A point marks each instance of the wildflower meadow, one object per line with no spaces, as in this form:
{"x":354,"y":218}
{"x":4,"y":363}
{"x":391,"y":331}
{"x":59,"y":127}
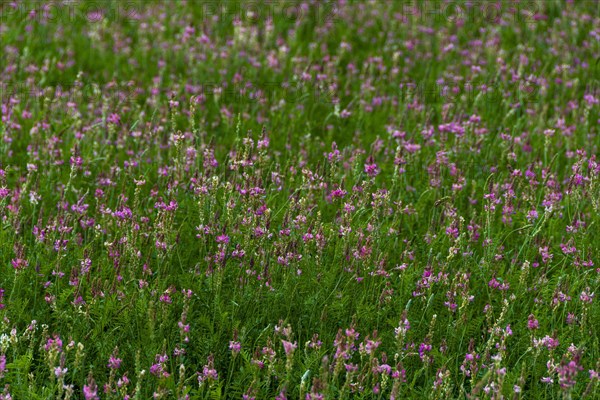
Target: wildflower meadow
{"x":303,"y":199}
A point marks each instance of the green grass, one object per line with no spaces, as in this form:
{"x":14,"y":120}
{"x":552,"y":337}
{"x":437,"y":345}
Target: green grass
{"x":95,"y":252}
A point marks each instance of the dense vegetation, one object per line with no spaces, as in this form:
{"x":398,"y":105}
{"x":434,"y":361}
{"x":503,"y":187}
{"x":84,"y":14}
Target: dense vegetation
{"x":349,"y":199}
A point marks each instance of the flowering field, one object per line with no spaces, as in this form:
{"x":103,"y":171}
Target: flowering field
{"x":299,"y":200}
